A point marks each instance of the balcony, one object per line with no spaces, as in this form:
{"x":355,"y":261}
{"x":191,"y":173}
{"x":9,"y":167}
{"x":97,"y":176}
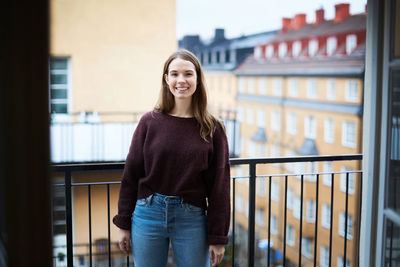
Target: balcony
{"x":284,"y":222}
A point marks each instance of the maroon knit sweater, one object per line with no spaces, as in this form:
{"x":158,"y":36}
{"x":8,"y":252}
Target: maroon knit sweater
{"x":169,"y":157}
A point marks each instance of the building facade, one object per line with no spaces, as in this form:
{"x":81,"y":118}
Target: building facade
{"x":301,"y":93}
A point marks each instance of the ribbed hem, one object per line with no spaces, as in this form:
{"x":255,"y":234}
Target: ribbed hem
{"x":217,"y":240}
{"x":123,"y":221}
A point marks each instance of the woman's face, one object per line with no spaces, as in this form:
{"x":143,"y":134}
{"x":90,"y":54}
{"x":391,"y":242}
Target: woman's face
{"x":181,"y":78}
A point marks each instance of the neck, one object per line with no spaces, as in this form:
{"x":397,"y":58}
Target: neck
{"x":182,"y":108}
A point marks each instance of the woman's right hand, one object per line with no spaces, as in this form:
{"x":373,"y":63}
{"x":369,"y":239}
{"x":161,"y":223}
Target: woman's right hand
{"x":124,"y":240}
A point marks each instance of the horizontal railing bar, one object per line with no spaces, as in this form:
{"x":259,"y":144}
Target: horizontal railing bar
{"x":240,"y":161}
{"x":234,"y":161}
{"x":94,"y":183}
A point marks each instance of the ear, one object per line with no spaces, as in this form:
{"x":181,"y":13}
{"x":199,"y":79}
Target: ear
{"x":166,"y":78}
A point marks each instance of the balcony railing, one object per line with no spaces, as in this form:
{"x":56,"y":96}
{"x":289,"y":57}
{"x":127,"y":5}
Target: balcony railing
{"x":235,"y":248}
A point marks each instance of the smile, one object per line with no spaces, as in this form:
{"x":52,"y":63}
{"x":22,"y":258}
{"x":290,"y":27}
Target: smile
{"x":181,"y":89}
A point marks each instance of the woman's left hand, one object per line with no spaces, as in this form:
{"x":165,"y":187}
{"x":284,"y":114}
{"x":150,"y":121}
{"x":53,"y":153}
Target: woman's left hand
{"x":216,"y":254}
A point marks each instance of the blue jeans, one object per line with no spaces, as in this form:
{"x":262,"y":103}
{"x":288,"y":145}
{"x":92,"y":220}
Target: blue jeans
{"x":159,"y":220}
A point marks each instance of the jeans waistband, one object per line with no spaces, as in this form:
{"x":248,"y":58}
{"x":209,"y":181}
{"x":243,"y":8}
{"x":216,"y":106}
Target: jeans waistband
{"x":164,"y":199}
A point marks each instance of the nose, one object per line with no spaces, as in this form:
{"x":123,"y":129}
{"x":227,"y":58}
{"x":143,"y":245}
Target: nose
{"x":180,"y":78}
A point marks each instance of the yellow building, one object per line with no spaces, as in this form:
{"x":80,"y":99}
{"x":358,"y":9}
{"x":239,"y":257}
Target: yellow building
{"x":301,"y":94}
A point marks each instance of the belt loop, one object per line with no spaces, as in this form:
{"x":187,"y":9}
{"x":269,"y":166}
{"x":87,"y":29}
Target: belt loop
{"x":150,"y":199}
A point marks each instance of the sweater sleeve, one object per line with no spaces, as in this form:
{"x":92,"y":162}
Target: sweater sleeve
{"x":218,"y":210}
{"x":134,"y":169}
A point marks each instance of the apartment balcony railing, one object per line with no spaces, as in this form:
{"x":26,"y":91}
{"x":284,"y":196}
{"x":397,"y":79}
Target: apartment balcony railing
{"x":109,"y":248}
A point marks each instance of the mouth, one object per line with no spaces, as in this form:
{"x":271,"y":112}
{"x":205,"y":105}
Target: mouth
{"x":181,"y":89}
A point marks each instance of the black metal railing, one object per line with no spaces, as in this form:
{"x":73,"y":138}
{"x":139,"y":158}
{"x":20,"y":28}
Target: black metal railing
{"x":252,"y":164}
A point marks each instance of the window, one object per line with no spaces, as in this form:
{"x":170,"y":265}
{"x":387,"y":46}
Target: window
{"x":349,"y":134}
{"x":312,"y":47}
{"x":290,"y":199}
{"x":340,"y":262}
{"x":242,"y":85}
{"x":329,"y":131}
{"x":324,"y":257}
{"x":351,"y":91}
{"x":240,"y":113}
{"x":330,"y":90}
{"x":251,"y":85}
{"x":312,"y":168}
{"x":291,"y":126}
{"x":343,"y":180}
{"x":331,"y":44}
{"x":293,"y":87}
{"x":261,"y":187}
{"x":274,"y":191}
{"x":282,"y":50}
{"x":296,"y":208}
{"x":310,"y":211}
{"x":312,"y":89}
{"x":262,"y":86}
{"x":277,"y":90}
{"x":257,"y":52}
{"x":269,"y":52}
{"x":296,"y":48}
{"x":250,"y":115}
{"x":251,"y":149}
{"x":239,"y":203}
{"x":327,"y":178}
{"x":326,"y":216}
{"x":260,"y":218}
{"x":310,"y":127}
{"x":261,"y":118}
{"x":351,"y":43}
{"x":276,"y":120}
{"x":290,"y":235}
{"x":59,"y":85}
{"x":274,"y":225}
{"x":274,"y":151}
{"x":342,"y":219}
{"x":306,"y":247}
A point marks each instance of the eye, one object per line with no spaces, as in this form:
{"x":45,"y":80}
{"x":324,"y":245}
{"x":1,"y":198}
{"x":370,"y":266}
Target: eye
{"x":173,"y":74}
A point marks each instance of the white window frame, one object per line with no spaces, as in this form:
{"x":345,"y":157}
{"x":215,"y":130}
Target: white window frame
{"x":296,"y":48}
{"x":250,"y":85}
{"x":293,"y":87}
{"x":351,"y":43}
{"x":351,"y":91}
{"x":291,"y":126}
{"x":61,"y":117}
{"x":262,"y":86}
{"x":312,"y":89}
{"x":310,"y":127}
{"x":250,"y":115}
{"x":261,"y":118}
{"x":349,"y":134}
{"x":296,"y":208}
{"x":251,"y":149}
{"x":327,"y":178}
{"x":260,"y":217}
{"x":342,"y":218}
{"x":324,"y":257}
{"x":326,"y":216}
{"x":257,"y":52}
{"x":240,"y":113}
{"x":282,"y":50}
{"x":330,"y":89}
{"x":329,"y":131}
{"x":311,"y":208}
{"x":306,"y":247}
{"x":291,"y":235}
{"x":269,"y":51}
{"x":274,"y":225}
{"x":331,"y":44}
{"x":242,"y":85}
{"x":239,"y":203}
{"x":312,"y":47}
{"x":290,"y":199}
{"x":346,"y":169}
{"x":275,"y":194}
{"x":276,"y":120}
{"x":277,"y":89}
{"x":340,"y":262}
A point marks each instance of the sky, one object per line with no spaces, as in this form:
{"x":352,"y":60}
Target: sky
{"x":240,"y":17}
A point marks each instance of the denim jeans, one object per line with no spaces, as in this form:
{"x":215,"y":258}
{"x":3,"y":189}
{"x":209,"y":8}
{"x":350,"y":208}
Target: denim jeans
{"x":159,"y":220}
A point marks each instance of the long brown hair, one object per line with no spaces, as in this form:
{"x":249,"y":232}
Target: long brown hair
{"x":166,"y":101}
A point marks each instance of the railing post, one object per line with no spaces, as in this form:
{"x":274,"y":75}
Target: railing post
{"x":233,"y":219}
{"x":68,"y":207}
{"x":252,"y":206}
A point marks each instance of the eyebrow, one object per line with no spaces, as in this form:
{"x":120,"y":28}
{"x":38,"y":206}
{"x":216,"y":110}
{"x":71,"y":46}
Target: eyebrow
{"x":184,"y":71}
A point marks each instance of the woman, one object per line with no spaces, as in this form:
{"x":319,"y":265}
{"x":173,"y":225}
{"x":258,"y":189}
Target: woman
{"x":176,"y":180}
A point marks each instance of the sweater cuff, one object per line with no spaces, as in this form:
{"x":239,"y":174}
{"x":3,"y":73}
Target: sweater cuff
{"x":217,"y":240}
{"x":123,"y":221}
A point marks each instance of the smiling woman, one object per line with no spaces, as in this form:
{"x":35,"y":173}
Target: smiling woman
{"x":176,"y":182}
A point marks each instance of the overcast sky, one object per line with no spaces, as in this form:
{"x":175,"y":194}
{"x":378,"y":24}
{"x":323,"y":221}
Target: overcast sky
{"x":248,"y":16}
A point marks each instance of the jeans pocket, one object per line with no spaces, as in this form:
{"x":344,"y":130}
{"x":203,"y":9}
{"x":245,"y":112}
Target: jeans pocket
{"x":141,"y":202}
{"x":192,"y":208}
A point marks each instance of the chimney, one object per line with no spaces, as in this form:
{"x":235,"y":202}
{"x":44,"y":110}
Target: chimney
{"x":319,"y":16}
{"x":298,"y":21}
{"x":219,"y":35}
{"x":342,"y":11}
{"x":286,"y":24}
